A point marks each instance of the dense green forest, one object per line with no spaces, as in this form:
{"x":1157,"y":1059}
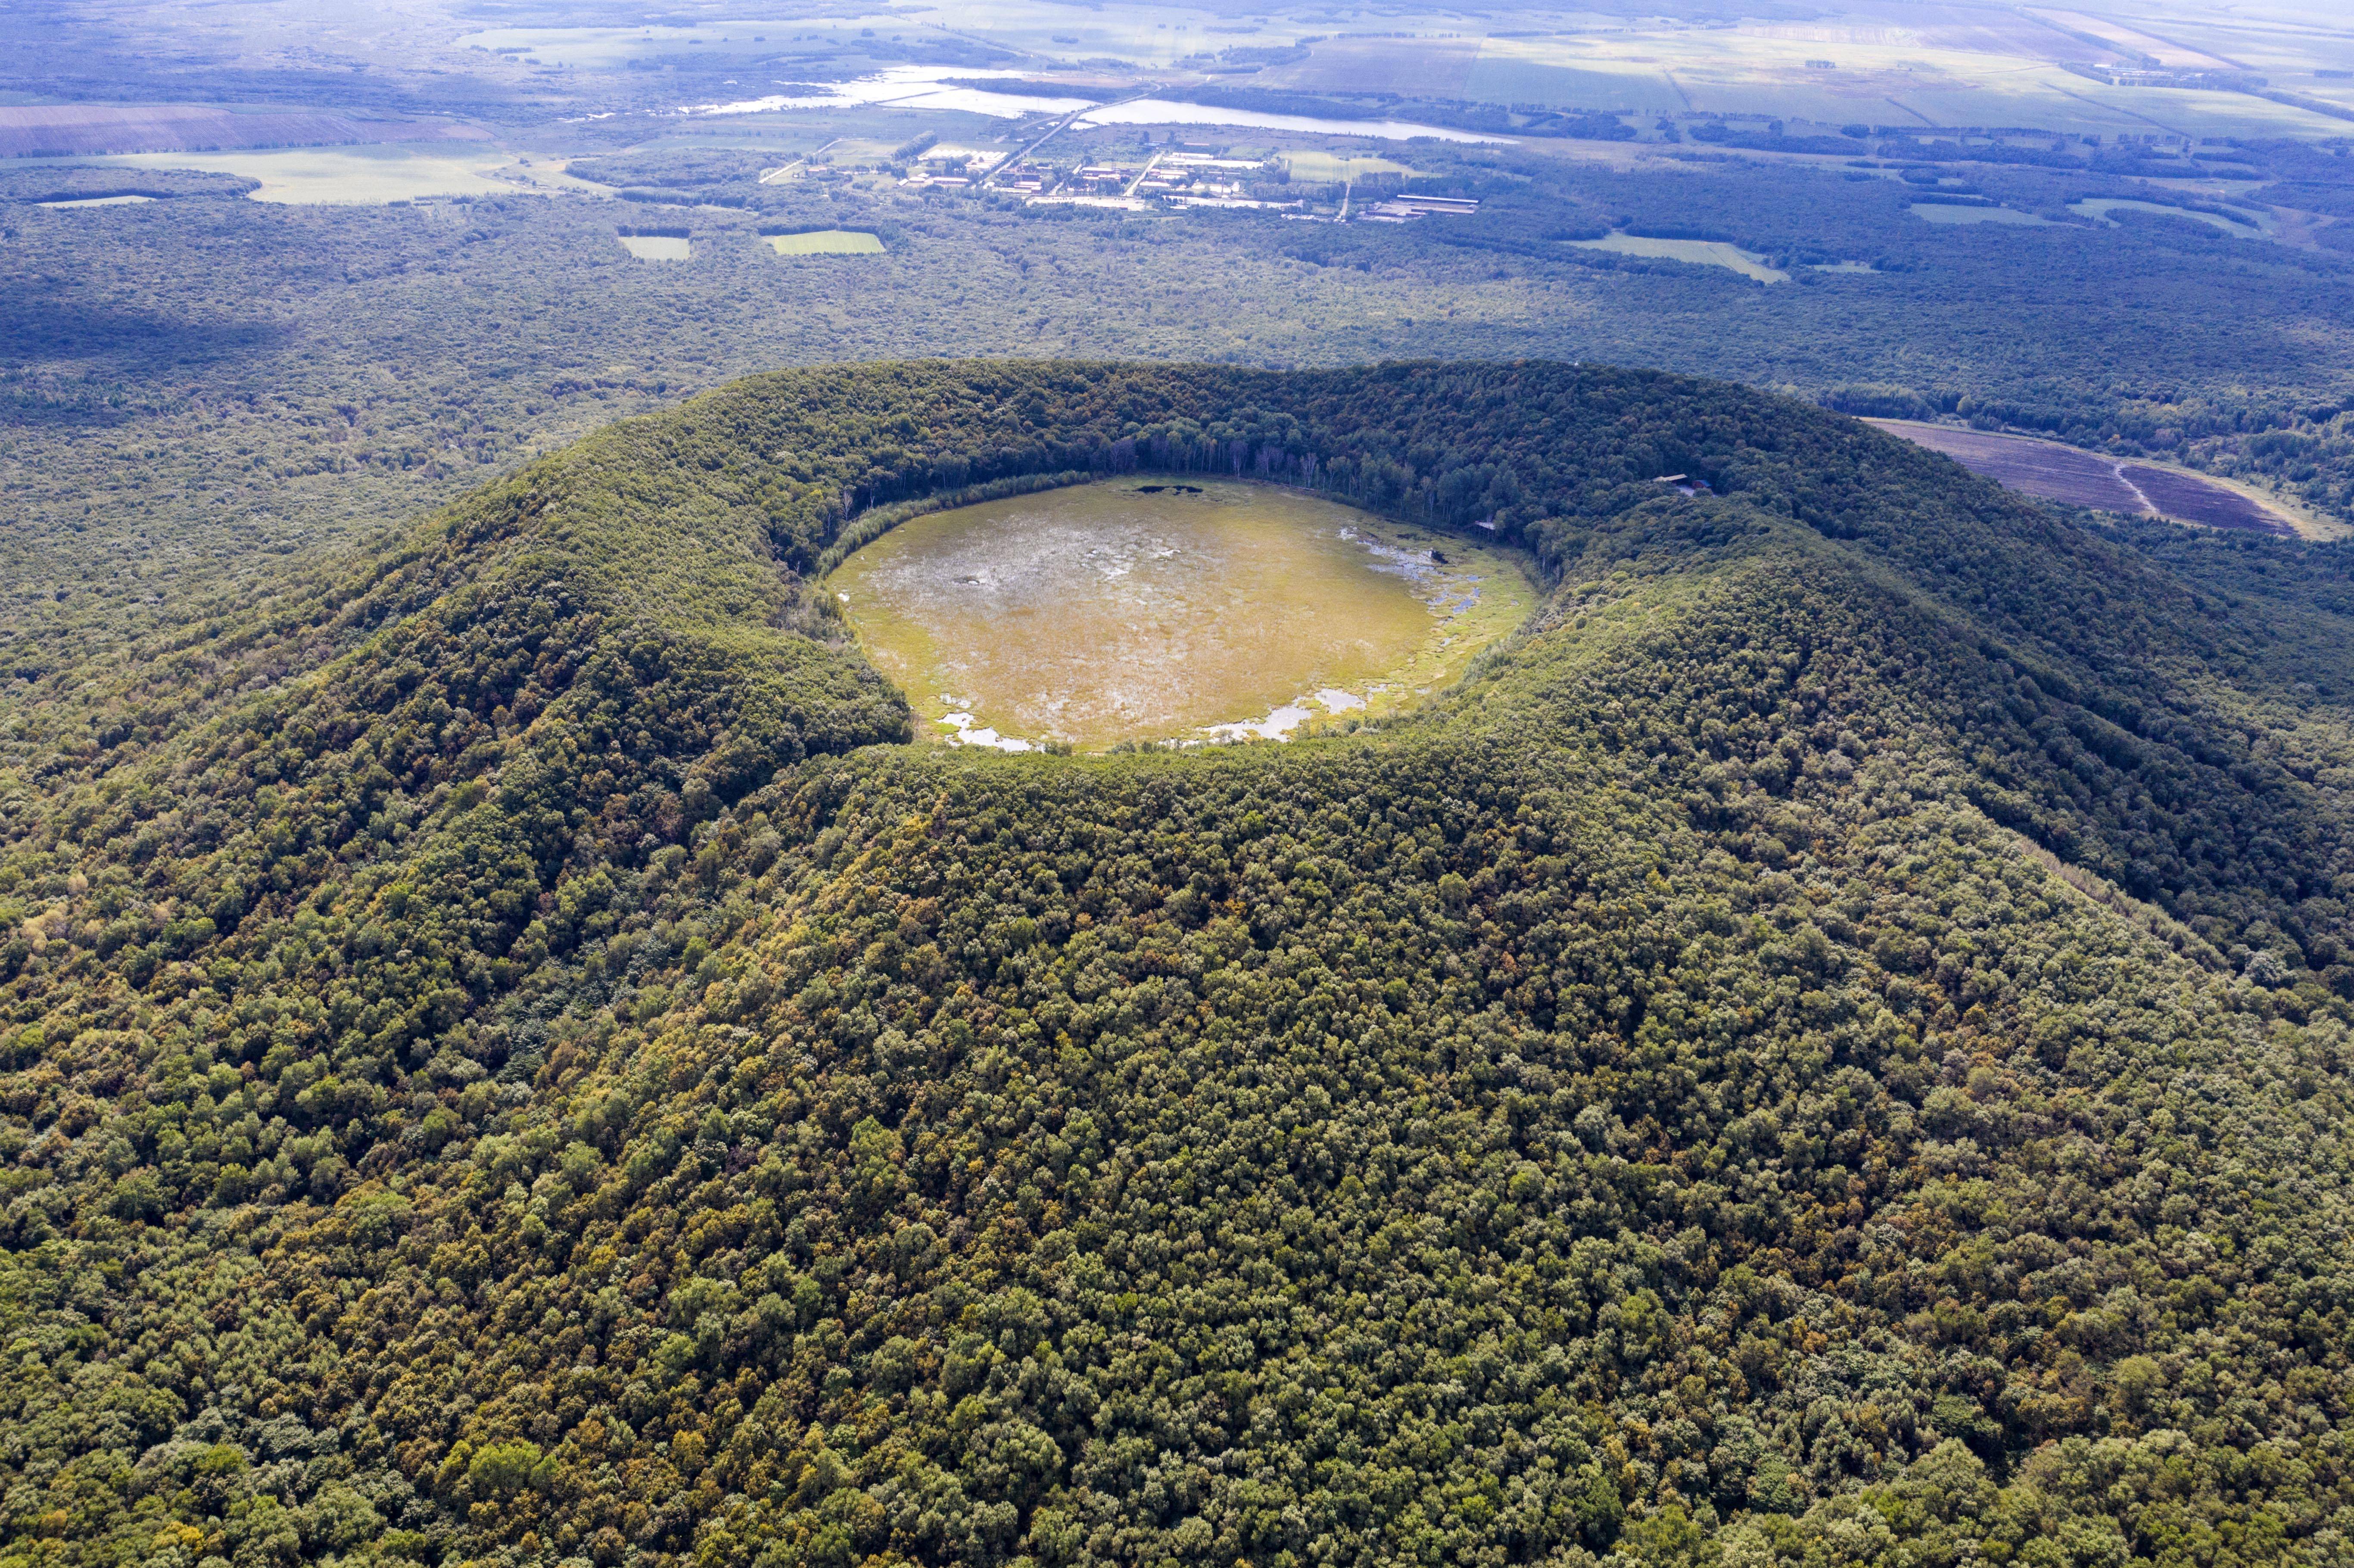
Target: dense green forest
{"x":1830,"y":1048}
{"x":197,"y":389}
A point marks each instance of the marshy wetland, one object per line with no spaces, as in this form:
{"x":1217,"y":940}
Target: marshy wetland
{"x":1151,"y":610}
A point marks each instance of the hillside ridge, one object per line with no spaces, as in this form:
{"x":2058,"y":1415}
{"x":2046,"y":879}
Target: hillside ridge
{"x":510,"y":1060}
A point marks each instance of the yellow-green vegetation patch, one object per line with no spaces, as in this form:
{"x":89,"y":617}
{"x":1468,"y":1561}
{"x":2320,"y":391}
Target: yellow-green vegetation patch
{"x":825,"y":242}
{"x":349,"y":176}
{"x":1157,"y":611}
{"x":859,"y":152}
{"x":1698,"y":252}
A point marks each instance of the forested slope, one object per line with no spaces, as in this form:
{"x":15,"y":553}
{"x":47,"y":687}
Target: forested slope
{"x":1832,"y":1048}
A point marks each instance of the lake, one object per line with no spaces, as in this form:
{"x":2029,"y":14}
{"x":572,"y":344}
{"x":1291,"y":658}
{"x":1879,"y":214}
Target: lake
{"x":922,"y":87}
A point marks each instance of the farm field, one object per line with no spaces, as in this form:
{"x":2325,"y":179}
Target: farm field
{"x":349,"y":176}
{"x":2080,"y":478}
{"x":1931,"y":65}
{"x":1698,"y":252}
{"x":1144,"y":609}
{"x":2195,"y":499}
{"x":825,"y":242}
{"x":2102,"y":207}
{"x":1338,"y":167}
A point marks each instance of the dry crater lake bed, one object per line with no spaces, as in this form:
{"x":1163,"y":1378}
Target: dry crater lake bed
{"x":1153,"y":610}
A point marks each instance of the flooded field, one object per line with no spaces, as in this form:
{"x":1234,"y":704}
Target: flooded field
{"x":1698,"y":252}
{"x":1150,"y":610}
{"x":825,"y":242}
{"x":2088,"y":479}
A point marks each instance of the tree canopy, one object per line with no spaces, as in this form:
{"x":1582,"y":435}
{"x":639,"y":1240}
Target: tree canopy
{"x":1830,"y":1047}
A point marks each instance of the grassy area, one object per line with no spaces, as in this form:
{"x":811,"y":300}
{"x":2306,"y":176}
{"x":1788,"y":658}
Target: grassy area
{"x":1310,"y":164}
{"x":349,"y":175}
{"x":826,"y":242}
{"x":1698,"y":252}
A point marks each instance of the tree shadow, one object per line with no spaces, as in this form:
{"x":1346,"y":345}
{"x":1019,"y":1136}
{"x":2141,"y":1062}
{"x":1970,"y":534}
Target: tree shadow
{"x":48,"y":325}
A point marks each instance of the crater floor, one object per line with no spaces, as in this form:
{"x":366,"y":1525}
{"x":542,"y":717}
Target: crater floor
{"x":1146,"y":608}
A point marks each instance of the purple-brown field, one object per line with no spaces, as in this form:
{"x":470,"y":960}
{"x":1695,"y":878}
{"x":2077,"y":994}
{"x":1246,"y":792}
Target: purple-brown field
{"x":2196,"y":501}
{"x":2087,"y":479}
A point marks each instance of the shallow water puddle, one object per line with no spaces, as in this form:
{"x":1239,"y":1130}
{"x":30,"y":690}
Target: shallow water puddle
{"x":1133,"y":610}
